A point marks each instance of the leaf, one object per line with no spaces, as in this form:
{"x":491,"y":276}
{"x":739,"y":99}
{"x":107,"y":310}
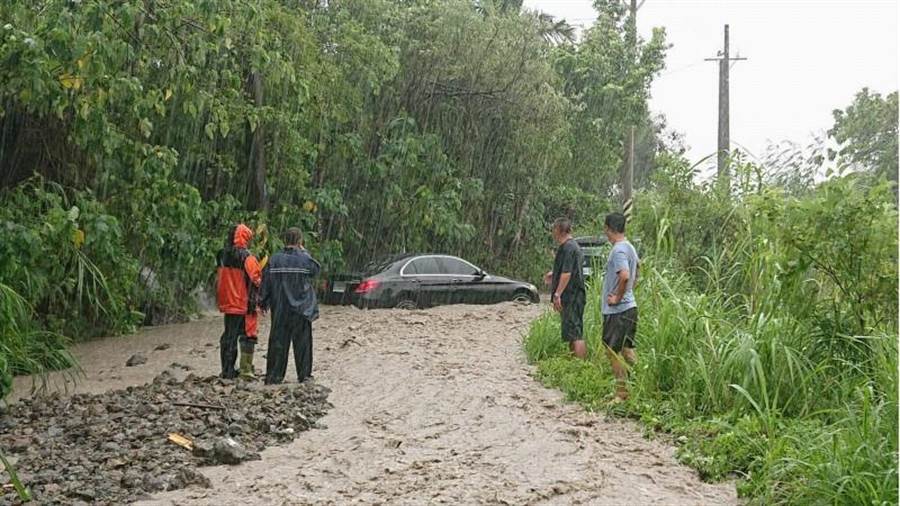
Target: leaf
{"x":168,"y":95}
{"x":22,"y":490}
{"x":69,"y":81}
{"x":78,"y":238}
{"x":146,"y":127}
{"x":210,"y":131}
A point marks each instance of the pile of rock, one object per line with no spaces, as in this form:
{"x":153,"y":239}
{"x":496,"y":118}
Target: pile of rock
{"x":115,"y":447}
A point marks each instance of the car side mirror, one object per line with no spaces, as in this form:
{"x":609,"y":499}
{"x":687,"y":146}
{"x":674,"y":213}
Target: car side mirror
{"x":480,"y":274}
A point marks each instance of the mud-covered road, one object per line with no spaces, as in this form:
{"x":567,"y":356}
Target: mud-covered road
{"x":434,"y":406}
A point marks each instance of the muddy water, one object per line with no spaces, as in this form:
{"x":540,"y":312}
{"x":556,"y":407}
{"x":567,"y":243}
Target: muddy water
{"x":432,"y":406}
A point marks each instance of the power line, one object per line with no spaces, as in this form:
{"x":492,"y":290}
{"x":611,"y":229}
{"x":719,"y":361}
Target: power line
{"x":682,"y":68}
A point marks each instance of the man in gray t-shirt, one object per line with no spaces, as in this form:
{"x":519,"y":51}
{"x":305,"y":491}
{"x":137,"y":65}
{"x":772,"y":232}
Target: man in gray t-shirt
{"x":619,"y":307}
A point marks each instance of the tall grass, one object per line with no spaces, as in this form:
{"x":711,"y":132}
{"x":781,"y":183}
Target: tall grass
{"x":745,"y":393}
{"x":25,"y":349}
{"x":760,"y":367}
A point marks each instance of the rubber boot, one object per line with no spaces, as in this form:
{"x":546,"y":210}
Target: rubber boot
{"x":246,"y":368}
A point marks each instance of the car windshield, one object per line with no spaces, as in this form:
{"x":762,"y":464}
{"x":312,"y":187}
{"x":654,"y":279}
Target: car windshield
{"x":593,"y":255}
{"x":591,"y":242}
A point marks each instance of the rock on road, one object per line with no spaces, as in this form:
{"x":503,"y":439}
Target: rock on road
{"x":430,"y":407}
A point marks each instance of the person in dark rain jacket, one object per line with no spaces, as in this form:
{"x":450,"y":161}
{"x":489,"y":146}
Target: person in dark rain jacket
{"x":288,"y":291}
{"x":237,"y":290}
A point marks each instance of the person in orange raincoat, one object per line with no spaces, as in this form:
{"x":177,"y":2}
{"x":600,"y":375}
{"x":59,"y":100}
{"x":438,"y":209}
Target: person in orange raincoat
{"x":237,"y":291}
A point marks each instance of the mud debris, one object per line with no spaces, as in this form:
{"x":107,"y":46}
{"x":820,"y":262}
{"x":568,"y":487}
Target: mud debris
{"x":136,"y":359}
{"x":112,"y":448}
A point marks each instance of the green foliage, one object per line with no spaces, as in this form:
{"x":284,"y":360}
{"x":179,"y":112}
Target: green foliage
{"x":867,"y":133}
{"x":768,"y":349}
{"x":683,"y":221}
{"x":420,"y":203}
{"x":365,"y":105}
{"x":66,"y":256}
{"x":370,"y":109}
{"x":21,"y":490}
{"x":607,"y":79}
{"x":25,"y":349}
{"x":858,"y":256}
{"x":135,"y":133}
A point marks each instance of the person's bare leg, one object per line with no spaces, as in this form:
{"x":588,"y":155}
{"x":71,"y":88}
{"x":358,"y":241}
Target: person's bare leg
{"x":579,"y":348}
{"x":629,"y":355}
{"x":620,"y":372}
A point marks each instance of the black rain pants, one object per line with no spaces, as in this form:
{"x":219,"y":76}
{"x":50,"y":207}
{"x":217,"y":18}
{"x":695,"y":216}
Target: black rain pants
{"x":289,"y":327}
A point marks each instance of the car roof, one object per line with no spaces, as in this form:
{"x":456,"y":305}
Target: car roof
{"x":591,"y":240}
{"x":404,"y":256}
{"x":391,"y":260}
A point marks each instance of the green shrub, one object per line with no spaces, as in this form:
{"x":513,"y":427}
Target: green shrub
{"x":66,"y":256}
{"x":23,"y":348}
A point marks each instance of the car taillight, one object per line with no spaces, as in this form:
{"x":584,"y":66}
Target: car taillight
{"x":367,"y":286}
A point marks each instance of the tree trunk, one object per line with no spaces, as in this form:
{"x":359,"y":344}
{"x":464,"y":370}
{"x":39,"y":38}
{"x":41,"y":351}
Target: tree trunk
{"x":259,"y":196}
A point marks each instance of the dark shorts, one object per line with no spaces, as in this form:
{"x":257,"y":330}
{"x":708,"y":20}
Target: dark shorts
{"x":619,"y":329}
{"x":573,"y":320}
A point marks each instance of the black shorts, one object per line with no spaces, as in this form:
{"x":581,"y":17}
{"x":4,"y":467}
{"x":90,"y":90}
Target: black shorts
{"x":573,"y":319}
{"x":619,"y":329}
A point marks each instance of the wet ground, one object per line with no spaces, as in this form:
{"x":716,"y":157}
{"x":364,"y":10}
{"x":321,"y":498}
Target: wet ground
{"x":433,"y":406}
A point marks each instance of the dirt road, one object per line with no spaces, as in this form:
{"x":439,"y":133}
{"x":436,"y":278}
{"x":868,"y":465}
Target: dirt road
{"x":432,"y":406}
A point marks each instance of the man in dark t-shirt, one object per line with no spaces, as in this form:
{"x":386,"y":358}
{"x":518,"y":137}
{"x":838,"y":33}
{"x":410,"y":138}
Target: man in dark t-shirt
{"x":567,"y":286}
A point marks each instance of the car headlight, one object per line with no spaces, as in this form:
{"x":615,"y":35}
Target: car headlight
{"x":532,"y":288}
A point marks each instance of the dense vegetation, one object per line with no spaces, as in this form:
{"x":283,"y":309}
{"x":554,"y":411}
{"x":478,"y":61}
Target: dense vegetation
{"x":767,"y":341}
{"x":133,"y":132}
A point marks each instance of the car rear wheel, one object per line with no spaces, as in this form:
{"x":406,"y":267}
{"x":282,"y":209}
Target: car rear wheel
{"x":522,"y":298}
{"x":407,"y":304}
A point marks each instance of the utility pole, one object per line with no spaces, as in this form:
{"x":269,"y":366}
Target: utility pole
{"x":628,"y":176}
{"x":628,"y":186}
{"x":724,"y":147}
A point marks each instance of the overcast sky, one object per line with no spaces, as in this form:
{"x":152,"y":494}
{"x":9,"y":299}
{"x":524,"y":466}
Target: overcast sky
{"x":806,"y":58}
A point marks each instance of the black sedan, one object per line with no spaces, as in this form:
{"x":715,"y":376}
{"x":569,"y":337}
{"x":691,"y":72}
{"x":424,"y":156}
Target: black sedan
{"x":425,"y":280}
